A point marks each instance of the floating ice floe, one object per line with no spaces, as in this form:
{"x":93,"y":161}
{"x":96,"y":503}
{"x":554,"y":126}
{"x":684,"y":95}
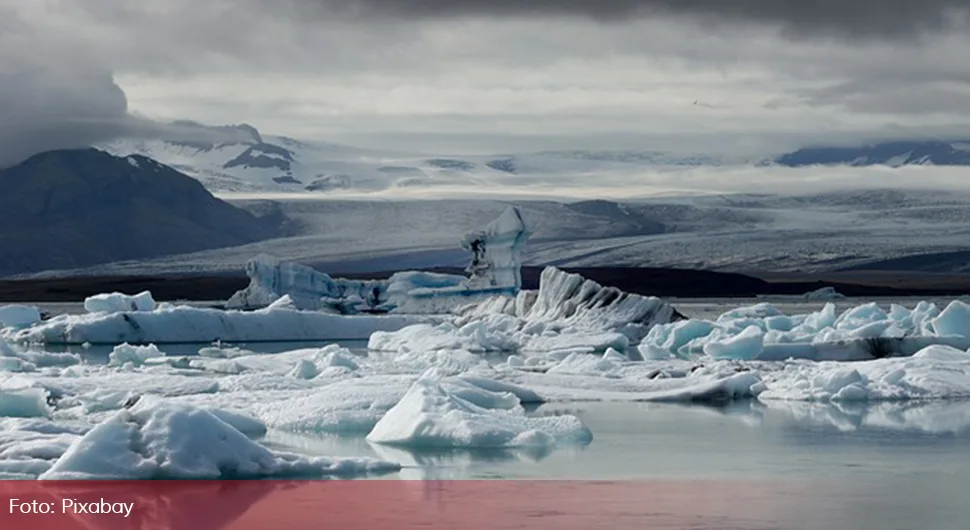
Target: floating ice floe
{"x":119,"y":302}
{"x":21,"y":359}
{"x":173,"y":416}
{"x":494,"y":270}
{"x":934,"y":372}
{"x":567,"y":313}
{"x":431,"y":415}
{"x":761,"y":332}
{"x":160,"y":440}
{"x":185,"y":324}
{"x":18,"y":316}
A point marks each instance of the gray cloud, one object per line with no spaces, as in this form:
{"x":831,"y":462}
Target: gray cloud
{"x":44,"y":109}
{"x":494,"y":69}
{"x":55,"y":94}
{"x":887,"y":19}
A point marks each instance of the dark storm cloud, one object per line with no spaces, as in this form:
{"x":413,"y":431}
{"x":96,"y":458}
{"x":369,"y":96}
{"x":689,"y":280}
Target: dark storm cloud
{"x":43,"y":109}
{"x":873,"y":18}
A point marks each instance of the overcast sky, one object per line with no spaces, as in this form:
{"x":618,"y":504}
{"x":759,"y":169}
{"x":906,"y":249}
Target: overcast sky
{"x":488,"y":75}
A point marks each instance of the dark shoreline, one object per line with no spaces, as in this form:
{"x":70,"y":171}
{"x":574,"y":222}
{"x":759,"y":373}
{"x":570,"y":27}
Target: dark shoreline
{"x":676,"y":283}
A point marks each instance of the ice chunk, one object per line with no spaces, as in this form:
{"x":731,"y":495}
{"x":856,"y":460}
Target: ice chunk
{"x":825,"y":293}
{"x":160,"y":440}
{"x":745,"y":345}
{"x":119,"y":302}
{"x":304,"y":369}
{"x":400,"y":284}
{"x":30,"y":402}
{"x":429,"y":415}
{"x":495,"y":252}
{"x":859,"y":333}
{"x":18,"y":316}
{"x":567,"y":313}
{"x":932,"y":373}
{"x":271,"y":279}
{"x":953,"y":321}
{"x":136,"y":355}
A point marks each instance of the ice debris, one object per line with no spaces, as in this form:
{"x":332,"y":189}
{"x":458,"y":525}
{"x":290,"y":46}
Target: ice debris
{"x":156,"y":439}
{"x":863,"y":332}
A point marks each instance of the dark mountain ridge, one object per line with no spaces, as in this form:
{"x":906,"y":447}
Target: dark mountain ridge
{"x":76,"y":208}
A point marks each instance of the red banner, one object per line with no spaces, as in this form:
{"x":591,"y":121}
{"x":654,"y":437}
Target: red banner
{"x":389,"y":504}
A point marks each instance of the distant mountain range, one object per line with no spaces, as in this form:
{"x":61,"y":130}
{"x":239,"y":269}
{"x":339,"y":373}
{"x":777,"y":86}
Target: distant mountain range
{"x":253,"y":162}
{"x":894,"y":154}
{"x":77,"y":208}
{"x":247,"y":161}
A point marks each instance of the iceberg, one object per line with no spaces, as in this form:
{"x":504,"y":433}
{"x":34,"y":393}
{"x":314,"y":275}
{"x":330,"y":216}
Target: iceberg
{"x":859,"y":333}
{"x":18,"y":316}
{"x":494,"y":269}
{"x":271,"y":279}
{"x":432,"y":416}
{"x":934,"y":372}
{"x":118,"y":302}
{"x":169,"y":324}
{"x":496,"y":253}
{"x":825,"y":293}
{"x":568,"y":312}
{"x":155,"y":439}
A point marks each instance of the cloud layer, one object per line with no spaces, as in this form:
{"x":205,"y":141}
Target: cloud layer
{"x":691,"y":74}
{"x":885,"y":19}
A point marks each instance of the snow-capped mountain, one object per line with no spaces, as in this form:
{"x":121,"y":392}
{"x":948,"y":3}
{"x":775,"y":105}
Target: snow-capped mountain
{"x":894,"y":154}
{"x":243,"y":160}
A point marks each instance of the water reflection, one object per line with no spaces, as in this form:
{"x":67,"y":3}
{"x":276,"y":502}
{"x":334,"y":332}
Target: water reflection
{"x":939,"y":417}
{"x":447,"y":464}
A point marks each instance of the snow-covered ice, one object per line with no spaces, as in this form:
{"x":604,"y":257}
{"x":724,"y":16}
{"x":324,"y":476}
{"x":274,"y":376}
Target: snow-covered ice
{"x":568,"y":312}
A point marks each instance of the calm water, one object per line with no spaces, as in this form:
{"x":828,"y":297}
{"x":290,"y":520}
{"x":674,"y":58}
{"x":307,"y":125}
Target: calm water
{"x":799,"y":466}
